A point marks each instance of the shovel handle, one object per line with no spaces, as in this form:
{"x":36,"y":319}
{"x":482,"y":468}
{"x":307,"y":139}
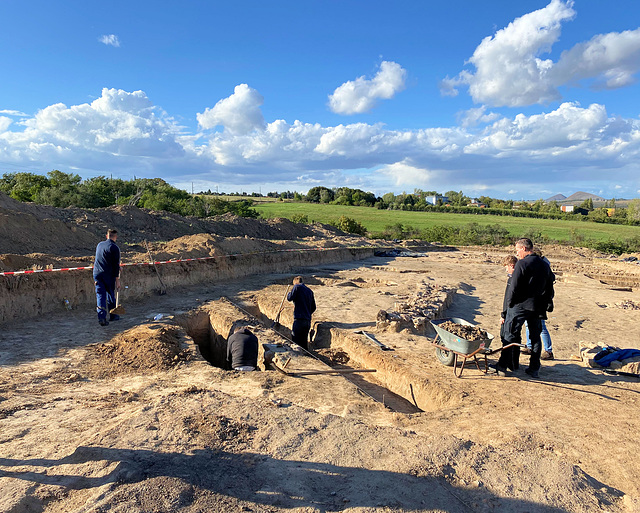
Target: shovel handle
{"x":282,"y":304}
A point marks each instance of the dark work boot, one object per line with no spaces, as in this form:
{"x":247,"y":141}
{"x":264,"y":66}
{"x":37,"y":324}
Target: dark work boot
{"x":532,"y":373}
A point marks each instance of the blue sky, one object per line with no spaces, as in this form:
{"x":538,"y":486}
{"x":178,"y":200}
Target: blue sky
{"x":508,"y":99}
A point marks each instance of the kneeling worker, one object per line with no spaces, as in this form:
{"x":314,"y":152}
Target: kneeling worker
{"x":304,"y":304}
{"x":242,"y":350}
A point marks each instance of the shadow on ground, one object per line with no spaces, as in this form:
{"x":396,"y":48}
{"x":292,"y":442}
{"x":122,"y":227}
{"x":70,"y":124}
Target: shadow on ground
{"x":256,"y":478}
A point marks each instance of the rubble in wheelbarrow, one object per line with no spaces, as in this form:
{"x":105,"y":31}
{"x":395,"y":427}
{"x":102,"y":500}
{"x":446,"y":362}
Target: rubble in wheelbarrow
{"x":470,"y":333}
{"x":413,"y":312}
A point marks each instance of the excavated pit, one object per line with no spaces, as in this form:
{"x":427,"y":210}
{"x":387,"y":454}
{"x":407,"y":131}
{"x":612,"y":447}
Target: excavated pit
{"x":211,"y":325}
{"x":400,"y":381}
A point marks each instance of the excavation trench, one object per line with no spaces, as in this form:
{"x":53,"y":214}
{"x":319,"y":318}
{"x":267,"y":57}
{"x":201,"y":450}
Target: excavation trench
{"x":400,"y":380}
{"x":211,"y":325}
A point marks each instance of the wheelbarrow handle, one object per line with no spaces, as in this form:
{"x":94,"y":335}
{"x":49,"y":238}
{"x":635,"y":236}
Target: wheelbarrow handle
{"x":494,"y":351}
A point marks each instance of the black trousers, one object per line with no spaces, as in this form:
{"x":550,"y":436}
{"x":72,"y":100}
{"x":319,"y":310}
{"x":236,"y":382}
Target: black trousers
{"x":300,"y":332}
{"x":512,"y":333}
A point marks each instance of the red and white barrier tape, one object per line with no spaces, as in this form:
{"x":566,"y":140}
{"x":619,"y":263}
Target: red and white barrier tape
{"x":135,"y":264}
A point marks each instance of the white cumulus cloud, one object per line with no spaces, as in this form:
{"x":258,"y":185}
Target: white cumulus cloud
{"x":117,"y":125}
{"x":110,"y":40}
{"x":611,"y":60}
{"x":239,"y":113}
{"x":476,"y":116}
{"x":361,"y":95}
{"x":124,"y":132}
{"x":404,"y":173}
{"x":16,"y":113}
{"x":510,"y":70}
{"x":4,"y":123}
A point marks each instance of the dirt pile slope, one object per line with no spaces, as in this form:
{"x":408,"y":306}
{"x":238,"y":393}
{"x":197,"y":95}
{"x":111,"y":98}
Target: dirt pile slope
{"x":142,"y":349}
{"x":27,"y":228}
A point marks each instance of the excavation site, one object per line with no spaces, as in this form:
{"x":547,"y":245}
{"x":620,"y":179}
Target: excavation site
{"x":391,"y":408}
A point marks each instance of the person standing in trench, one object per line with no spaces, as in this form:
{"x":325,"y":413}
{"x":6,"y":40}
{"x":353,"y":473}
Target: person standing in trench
{"x":304,"y":304}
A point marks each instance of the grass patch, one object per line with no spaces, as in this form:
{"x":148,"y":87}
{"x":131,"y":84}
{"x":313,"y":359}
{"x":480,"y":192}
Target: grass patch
{"x":376,"y":221}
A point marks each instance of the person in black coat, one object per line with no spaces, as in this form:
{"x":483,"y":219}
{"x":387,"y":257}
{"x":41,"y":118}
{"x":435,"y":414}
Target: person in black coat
{"x":304,"y":304}
{"x":242,"y":350}
{"x":528,"y":298}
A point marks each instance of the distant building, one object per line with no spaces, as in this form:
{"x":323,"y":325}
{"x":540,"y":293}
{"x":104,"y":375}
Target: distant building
{"x":611,"y":212}
{"x":433,"y":200}
{"x":475,"y":202}
{"x":567,"y":208}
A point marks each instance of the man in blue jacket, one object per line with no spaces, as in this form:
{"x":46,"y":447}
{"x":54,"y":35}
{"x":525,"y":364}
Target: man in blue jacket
{"x":106,"y":276}
{"x":304,"y":304}
{"x":528,"y":298}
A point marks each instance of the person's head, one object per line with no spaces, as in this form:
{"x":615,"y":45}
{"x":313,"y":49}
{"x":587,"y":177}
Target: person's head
{"x":524,"y":247}
{"x":297,"y":280}
{"x":112,"y":234}
{"x":509,"y":263}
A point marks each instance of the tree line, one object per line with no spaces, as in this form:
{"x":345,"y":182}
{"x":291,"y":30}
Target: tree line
{"x":60,"y":189}
{"x":70,"y":190}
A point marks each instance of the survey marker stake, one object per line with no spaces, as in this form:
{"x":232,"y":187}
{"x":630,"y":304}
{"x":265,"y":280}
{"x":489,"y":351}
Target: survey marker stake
{"x":163,"y":289}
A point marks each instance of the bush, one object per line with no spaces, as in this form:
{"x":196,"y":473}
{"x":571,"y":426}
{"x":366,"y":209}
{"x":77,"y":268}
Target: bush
{"x":468,"y":235}
{"x":300,"y":218}
{"x":349,"y":225}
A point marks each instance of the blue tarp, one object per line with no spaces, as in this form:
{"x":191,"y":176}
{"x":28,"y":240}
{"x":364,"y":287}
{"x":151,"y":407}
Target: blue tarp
{"x":620,"y":354}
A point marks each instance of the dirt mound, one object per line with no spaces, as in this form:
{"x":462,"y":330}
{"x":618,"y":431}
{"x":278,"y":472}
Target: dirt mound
{"x":143,"y":349}
{"x":28,"y":228}
{"x":22,"y":233}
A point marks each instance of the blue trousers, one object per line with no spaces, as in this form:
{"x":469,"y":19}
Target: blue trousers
{"x":544,"y":335}
{"x":515,"y":319}
{"x":105,"y":295}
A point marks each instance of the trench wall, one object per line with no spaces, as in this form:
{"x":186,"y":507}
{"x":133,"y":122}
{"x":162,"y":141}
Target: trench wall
{"x":29,"y":295}
{"x":403,"y":375}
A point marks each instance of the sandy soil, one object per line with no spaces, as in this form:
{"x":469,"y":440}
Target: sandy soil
{"x":81,"y":433}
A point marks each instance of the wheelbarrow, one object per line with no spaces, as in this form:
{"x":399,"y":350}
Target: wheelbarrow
{"x":451,"y":348}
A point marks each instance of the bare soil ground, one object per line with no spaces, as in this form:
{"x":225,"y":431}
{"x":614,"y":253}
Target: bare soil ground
{"x":131,"y":418}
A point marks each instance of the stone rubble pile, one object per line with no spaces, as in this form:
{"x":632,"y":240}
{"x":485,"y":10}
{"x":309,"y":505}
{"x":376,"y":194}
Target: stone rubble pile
{"x":413,"y":312}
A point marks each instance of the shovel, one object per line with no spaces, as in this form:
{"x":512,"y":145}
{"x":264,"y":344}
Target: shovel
{"x":376,"y":342}
{"x":119,"y":309}
{"x":276,"y":322}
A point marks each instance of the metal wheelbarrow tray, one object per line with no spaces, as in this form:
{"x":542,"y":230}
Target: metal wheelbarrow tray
{"x":451,"y":347}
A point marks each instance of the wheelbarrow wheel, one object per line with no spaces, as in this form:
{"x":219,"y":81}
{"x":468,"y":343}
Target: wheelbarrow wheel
{"x":446,"y":357}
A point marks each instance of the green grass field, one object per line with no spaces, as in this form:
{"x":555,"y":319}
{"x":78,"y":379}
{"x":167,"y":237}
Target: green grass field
{"x":375,"y":220}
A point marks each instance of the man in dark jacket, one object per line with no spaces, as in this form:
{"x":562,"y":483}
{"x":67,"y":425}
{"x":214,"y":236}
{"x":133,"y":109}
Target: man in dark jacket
{"x":242,"y":350}
{"x":527,"y":298}
{"x":106,"y":276}
{"x":304,"y":304}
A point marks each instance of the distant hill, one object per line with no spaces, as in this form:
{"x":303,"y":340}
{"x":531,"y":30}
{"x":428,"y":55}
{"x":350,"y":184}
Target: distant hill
{"x":557,"y":197}
{"x":581,"y":196}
